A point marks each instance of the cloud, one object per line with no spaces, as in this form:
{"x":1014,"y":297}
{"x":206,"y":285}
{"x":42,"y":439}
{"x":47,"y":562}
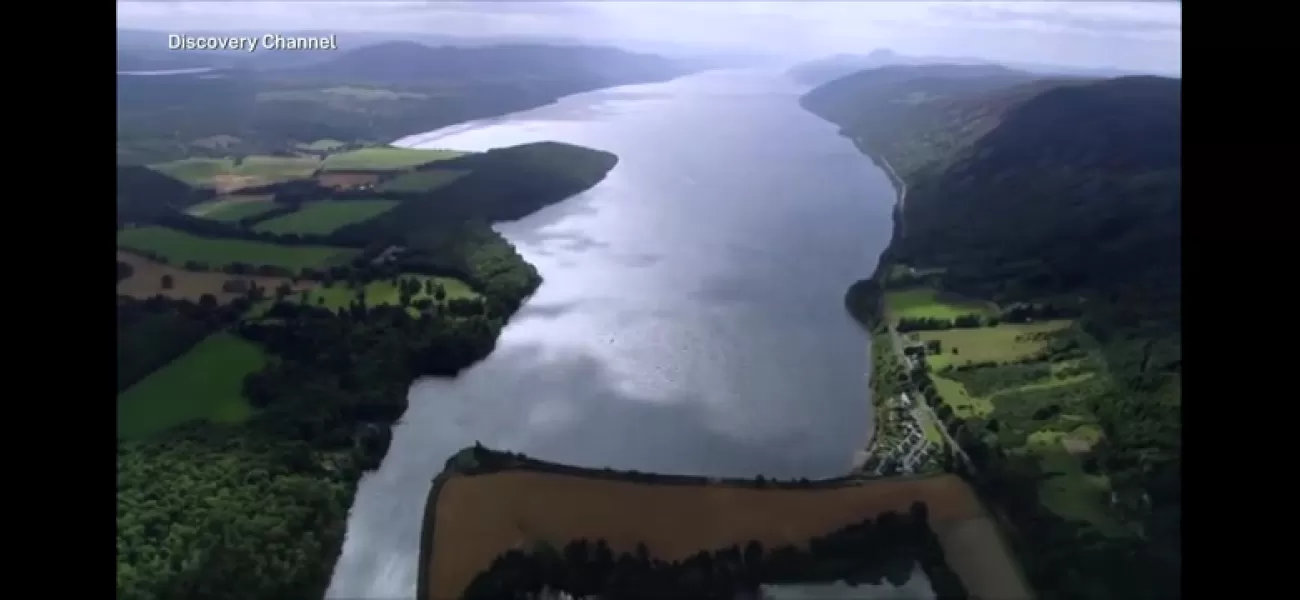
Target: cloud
{"x":1139,"y":35}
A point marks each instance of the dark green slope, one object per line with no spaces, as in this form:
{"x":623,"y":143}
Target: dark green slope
{"x":499,"y":185}
{"x":143,"y":193}
{"x":1021,"y":188}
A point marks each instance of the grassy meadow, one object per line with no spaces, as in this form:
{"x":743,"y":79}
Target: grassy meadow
{"x":928,"y":303}
{"x":1007,"y":342}
{"x":179,"y":247}
{"x":223,"y":173}
{"x":386,"y":158}
{"x":421,"y":181}
{"x":1039,"y":409}
{"x":231,"y":209}
{"x":204,"y":383}
{"x":321,"y":218}
{"x":1028,"y":385}
{"x":322,"y":145}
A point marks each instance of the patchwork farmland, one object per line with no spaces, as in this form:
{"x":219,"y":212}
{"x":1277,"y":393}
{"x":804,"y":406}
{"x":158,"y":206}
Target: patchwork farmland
{"x":320,"y":218}
{"x":385,"y":158}
{"x":179,"y":247}
{"x":225,"y":175}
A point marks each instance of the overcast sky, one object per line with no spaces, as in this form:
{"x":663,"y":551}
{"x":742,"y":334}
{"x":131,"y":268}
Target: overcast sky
{"x":1128,"y":35}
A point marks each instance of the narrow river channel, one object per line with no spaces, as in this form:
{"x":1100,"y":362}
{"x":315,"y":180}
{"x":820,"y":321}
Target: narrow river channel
{"x":691,"y":320}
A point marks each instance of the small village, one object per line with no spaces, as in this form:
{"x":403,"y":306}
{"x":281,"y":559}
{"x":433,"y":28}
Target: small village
{"x":905,"y":448}
{"x":906,"y":451}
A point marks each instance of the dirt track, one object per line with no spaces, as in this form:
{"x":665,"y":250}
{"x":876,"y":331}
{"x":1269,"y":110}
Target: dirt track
{"x":146,"y":281}
{"x":479,"y":517}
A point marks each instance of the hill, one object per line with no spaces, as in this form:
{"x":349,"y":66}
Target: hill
{"x":822,"y":70}
{"x":498,"y":185}
{"x":143,"y":193}
{"x":1035,"y":195}
{"x":372,"y":94}
{"x":545,"y":68}
{"x":817,"y":72}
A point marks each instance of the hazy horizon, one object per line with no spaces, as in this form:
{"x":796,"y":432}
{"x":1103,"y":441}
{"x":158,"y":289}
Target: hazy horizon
{"x":1132,"y":36}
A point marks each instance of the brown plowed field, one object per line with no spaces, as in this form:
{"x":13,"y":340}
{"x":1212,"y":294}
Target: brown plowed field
{"x":146,"y":281}
{"x":346,"y":179}
{"x":479,"y":517}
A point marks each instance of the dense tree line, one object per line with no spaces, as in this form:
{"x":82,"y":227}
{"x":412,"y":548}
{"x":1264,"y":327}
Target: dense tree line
{"x":968,"y":321}
{"x":477,"y":254}
{"x":870,"y":552}
{"x":863,"y":302}
{"x":1026,"y":312}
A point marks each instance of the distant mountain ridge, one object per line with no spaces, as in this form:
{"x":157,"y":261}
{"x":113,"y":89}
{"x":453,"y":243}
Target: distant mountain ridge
{"x":141,"y":50}
{"x":823,"y":70}
{"x":373,"y":94}
{"x":407,"y":62}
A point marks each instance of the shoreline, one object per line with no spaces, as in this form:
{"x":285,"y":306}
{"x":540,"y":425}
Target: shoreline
{"x":506,"y":321}
{"x":873,"y":361}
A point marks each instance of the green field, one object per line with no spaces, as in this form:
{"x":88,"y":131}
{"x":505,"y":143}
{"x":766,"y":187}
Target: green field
{"x":278,"y":167}
{"x":204,"y":383}
{"x":195,"y":171}
{"x":322,"y":218}
{"x":1073,"y":494}
{"x":963,"y":404}
{"x":1040,"y":407}
{"x":1004,"y":343}
{"x":929,"y":427}
{"x":321,"y":145}
{"x":257,"y":169}
{"x":384,"y":158}
{"x":378,"y":293}
{"x":232,"y":208}
{"x":422,"y":181}
{"x":928,"y":303}
{"x":234,"y":212}
{"x":179,"y":247}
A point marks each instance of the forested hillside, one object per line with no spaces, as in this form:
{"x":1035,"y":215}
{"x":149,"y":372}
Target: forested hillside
{"x":1062,"y":193}
{"x":373,"y":94}
{"x":143,"y":192}
{"x":823,"y":70}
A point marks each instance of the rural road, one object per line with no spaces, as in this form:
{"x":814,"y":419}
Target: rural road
{"x":922,"y":402}
{"x":897,"y":182}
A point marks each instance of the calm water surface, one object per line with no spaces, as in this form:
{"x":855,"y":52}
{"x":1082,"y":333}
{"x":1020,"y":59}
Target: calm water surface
{"x":691,"y":320}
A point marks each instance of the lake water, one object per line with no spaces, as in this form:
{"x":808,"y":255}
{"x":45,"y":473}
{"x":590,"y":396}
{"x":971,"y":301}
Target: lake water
{"x":692,"y":317}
